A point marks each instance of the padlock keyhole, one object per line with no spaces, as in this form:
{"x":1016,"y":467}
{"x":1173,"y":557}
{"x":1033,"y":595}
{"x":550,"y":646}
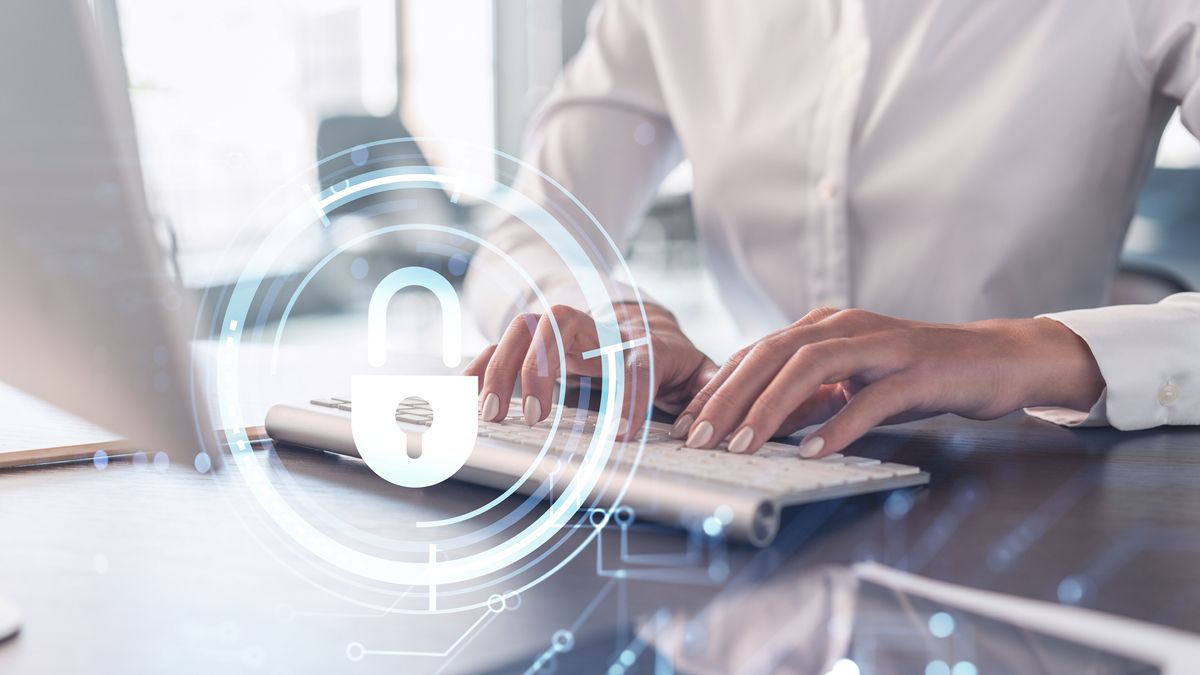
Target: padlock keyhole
{"x":415,"y":411}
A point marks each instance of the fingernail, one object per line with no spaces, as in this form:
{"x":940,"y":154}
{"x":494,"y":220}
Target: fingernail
{"x":811,"y":447}
{"x":701,"y":435}
{"x":622,"y":427}
{"x":741,"y":440}
{"x":491,"y":407}
{"x":682,"y":426}
{"x":533,"y":410}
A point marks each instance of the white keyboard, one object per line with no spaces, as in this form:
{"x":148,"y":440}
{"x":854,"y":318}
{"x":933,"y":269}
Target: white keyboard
{"x":671,"y":483}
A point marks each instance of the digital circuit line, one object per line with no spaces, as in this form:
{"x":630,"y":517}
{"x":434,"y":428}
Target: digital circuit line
{"x":356,"y":651}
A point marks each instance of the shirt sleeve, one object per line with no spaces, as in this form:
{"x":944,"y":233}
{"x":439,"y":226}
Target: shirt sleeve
{"x":1149,"y":356}
{"x":1166,"y":37}
{"x":605,"y":136}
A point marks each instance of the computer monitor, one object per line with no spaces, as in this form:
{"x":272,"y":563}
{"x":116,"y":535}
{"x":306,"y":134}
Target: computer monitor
{"x":94,"y":320}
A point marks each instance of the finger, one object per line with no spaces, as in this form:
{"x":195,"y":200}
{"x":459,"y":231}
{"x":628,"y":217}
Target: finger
{"x":638,"y":394}
{"x":560,"y":331}
{"x":821,"y":363}
{"x":866,"y":410}
{"x":501,"y":372}
{"x":686,"y":420}
{"x":829,"y":399}
{"x":731,"y":401}
{"x":479,"y":363}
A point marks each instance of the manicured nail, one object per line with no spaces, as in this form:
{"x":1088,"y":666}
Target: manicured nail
{"x":622,"y":427}
{"x":491,"y":408}
{"x":701,"y":435}
{"x":682,"y":426}
{"x":811,"y":447}
{"x":532,"y":410}
{"x":741,"y":440}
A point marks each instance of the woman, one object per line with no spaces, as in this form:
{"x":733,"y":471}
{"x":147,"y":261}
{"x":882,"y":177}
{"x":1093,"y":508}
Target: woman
{"x":970,"y":167}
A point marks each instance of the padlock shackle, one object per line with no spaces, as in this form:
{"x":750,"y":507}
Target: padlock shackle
{"x":387,"y":289}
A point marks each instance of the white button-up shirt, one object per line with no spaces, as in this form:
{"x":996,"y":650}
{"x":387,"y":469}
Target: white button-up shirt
{"x":941,"y":160}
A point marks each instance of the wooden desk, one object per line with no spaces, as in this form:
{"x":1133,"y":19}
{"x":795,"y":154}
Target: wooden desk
{"x":134,"y":571}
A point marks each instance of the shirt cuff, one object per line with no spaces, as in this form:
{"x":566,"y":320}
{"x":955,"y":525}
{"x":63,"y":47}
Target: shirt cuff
{"x":1149,"y":359}
{"x":1096,"y":417}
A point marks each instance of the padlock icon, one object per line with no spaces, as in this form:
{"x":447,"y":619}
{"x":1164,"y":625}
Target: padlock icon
{"x":444,"y":447}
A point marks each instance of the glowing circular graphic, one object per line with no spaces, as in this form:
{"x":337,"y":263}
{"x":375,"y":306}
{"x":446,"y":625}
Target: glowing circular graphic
{"x":439,"y":572}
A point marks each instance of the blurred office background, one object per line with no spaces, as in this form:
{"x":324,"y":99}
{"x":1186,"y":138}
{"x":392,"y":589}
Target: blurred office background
{"x":233,"y":98}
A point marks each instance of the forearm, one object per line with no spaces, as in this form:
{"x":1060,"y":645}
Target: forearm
{"x":1051,"y":365}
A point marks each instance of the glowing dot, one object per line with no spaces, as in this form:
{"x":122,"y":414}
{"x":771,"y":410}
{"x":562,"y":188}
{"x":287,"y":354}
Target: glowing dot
{"x":964,"y":668}
{"x":724,"y":514}
{"x":562,"y":641}
{"x":616,"y":669}
{"x":718,"y":570}
{"x":496,"y":603}
{"x":358,"y":156}
{"x":512,"y":600}
{"x":100,"y":460}
{"x":598,"y":517}
{"x":139,"y":460}
{"x":355,"y":651}
{"x":457,"y":264}
{"x":359,"y":269}
{"x":627,"y":658}
{"x":644,"y":134}
{"x":203,"y":463}
{"x":937,"y":667}
{"x":624,"y":515}
{"x":233,"y":324}
{"x":712,"y":526}
{"x":1070,"y":591}
{"x":161,"y":462}
{"x":941,"y":624}
{"x":100,"y":563}
{"x":844,"y":667}
{"x":897,"y":505}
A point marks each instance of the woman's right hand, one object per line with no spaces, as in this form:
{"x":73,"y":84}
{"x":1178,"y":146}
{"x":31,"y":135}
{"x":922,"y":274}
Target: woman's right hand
{"x":528,"y":351}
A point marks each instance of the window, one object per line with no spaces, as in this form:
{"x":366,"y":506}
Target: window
{"x":447,"y":78}
{"x":228,"y":94}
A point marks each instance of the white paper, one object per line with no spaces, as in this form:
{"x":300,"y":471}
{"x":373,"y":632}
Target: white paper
{"x":28,"y":423}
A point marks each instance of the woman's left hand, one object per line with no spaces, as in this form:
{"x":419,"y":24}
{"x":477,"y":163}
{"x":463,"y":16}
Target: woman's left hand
{"x":853,"y":370}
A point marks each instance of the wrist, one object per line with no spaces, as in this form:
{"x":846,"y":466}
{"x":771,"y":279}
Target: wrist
{"x":1062,"y":370}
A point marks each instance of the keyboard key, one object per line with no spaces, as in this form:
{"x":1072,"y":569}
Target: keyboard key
{"x":775,"y":469}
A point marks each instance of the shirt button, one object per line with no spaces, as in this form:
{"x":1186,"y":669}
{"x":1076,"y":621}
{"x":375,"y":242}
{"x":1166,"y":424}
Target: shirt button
{"x":1168,"y":394}
{"x":828,"y":187}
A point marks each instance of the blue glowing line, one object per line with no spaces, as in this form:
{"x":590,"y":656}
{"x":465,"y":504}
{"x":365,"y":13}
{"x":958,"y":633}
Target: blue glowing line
{"x":612,"y":349}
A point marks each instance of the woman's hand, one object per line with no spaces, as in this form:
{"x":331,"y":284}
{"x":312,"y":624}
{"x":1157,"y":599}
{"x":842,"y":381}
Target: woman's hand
{"x":528,"y":350}
{"x":853,"y":370}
